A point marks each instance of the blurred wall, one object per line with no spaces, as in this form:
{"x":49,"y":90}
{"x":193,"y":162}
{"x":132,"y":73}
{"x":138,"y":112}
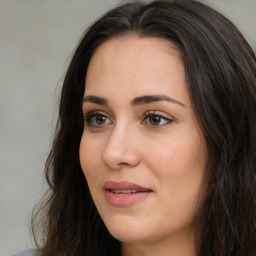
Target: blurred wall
{"x":37,"y":39}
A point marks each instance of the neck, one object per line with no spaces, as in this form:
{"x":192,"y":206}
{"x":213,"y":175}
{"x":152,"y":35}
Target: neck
{"x":180,"y":245}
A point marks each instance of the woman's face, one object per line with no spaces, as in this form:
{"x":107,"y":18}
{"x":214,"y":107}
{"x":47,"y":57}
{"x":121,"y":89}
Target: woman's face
{"x":142,"y":152}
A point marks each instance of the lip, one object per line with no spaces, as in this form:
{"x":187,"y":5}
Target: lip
{"x":124,"y":200}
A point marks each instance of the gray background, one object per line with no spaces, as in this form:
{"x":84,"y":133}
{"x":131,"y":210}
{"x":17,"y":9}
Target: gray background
{"x":37,"y":38}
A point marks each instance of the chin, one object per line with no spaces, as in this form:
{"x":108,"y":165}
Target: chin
{"x":128,"y":231}
{"x":129,"y":237}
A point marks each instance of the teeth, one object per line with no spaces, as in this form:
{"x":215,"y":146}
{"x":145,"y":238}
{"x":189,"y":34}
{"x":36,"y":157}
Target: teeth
{"x":130,"y":191}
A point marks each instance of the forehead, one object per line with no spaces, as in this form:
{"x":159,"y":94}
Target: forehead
{"x":139,"y":65}
{"x":134,"y":48}
{"x":140,"y":43}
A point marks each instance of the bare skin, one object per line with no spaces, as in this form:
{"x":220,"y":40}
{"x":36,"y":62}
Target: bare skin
{"x":152,"y":141}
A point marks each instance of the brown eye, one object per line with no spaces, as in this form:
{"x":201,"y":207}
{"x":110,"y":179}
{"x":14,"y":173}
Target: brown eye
{"x":100,"y":119}
{"x":154,"y":120}
{"x":97,"y":119}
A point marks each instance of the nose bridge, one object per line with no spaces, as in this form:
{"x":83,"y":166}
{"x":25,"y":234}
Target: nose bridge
{"x":120,"y":148}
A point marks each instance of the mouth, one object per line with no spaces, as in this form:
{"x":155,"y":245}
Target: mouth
{"x":124,"y":193}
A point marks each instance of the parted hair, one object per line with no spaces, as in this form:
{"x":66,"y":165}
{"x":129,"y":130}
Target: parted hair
{"x":221,"y":81}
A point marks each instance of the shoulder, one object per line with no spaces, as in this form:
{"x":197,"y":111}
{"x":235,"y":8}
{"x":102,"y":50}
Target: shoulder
{"x":35,"y":252}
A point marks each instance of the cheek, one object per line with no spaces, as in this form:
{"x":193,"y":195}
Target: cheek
{"x":177,"y":155}
{"x":89,"y":157}
{"x":179,"y":165}
{"x":90,"y":162}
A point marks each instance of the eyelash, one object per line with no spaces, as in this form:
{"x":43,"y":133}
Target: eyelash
{"x":158,"y":115}
{"x":151,"y":114}
{"x":88,"y":118}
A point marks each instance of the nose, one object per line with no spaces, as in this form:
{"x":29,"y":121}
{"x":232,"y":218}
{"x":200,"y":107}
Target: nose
{"x":120,"y":149}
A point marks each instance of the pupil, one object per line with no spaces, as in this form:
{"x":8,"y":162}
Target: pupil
{"x":154,"y":120}
{"x":100,"y":119}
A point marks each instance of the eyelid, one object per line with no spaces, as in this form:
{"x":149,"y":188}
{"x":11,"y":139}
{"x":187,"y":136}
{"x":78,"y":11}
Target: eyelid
{"x":93,"y":108}
{"x":159,"y":113}
{"x":92,"y":111}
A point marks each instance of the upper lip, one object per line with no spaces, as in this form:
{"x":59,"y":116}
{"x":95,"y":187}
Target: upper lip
{"x":124,"y":185}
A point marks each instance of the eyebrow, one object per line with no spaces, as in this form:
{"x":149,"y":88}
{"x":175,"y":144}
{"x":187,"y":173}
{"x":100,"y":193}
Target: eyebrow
{"x":95,"y":99}
{"x":145,"y":99}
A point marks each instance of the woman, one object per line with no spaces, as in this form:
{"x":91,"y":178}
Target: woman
{"x":154,"y":152}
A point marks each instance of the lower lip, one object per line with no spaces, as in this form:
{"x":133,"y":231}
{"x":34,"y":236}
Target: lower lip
{"x":125,"y":200}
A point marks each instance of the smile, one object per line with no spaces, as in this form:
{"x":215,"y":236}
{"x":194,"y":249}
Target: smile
{"x":124,"y":193}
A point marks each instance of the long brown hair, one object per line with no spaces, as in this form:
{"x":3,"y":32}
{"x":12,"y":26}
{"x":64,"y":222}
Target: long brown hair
{"x":221,"y":81}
